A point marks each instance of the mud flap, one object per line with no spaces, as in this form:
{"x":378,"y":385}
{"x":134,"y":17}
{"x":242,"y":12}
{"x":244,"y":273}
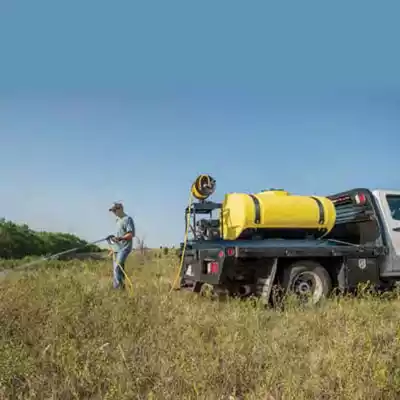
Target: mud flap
{"x":265,"y":281}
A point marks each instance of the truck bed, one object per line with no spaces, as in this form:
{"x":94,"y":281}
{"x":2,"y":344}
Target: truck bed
{"x":285,"y":248}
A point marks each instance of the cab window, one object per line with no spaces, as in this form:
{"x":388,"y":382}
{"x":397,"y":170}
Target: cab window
{"x":394,"y":205}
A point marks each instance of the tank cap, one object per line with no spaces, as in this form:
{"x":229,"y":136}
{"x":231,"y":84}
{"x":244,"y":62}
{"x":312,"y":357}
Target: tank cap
{"x":273,"y":190}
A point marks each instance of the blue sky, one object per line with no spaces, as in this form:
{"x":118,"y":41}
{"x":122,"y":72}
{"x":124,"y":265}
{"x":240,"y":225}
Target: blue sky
{"x":129,"y":101}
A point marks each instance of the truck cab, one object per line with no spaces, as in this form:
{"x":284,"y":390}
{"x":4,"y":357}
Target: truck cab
{"x":363,"y":246}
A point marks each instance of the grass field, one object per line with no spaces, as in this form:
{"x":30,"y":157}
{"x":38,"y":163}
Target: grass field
{"x":65,"y":334}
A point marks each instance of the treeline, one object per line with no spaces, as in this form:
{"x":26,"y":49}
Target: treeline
{"x":18,"y":241}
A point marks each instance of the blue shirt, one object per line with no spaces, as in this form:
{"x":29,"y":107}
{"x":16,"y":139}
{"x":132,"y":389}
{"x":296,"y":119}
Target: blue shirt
{"x":125,"y":224}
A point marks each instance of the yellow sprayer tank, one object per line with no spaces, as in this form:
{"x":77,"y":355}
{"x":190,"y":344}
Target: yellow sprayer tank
{"x":275,"y":209}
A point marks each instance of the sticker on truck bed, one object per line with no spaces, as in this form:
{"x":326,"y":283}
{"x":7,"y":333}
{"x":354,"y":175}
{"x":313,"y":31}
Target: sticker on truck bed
{"x":189,"y":271}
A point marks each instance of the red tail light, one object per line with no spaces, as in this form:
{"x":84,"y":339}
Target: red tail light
{"x":344,"y":199}
{"x":213,"y":268}
{"x":230,"y":252}
{"x":221,"y":254}
{"x":360,"y":199}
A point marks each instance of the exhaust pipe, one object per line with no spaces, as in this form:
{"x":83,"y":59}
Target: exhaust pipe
{"x":244,"y":290}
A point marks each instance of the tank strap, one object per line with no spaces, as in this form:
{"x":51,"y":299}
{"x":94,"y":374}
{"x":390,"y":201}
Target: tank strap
{"x":321,"y":210}
{"x":257,"y":209}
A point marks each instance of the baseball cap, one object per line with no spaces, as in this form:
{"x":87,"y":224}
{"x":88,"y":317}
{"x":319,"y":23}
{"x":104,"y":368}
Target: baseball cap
{"x":116,"y":206}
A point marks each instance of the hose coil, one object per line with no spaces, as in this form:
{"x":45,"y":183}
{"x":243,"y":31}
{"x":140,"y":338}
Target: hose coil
{"x":203,"y":187}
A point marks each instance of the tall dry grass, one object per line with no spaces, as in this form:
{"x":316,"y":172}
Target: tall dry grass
{"x":65,"y":334}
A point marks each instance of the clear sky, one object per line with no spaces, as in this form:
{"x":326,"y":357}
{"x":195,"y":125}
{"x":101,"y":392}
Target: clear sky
{"x":127,"y":100}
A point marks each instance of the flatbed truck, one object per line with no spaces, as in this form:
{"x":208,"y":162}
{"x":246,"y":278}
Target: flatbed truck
{"x":362,"y":247}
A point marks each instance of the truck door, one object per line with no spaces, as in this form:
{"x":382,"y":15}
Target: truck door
{"x":389,"y":202}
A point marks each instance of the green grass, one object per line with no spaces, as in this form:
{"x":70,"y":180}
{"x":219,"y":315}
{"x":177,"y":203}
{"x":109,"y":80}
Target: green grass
{"x":65,"y":334}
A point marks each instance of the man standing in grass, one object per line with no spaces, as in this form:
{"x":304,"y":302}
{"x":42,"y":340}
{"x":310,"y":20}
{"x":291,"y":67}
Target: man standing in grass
{"x":122,"y":243}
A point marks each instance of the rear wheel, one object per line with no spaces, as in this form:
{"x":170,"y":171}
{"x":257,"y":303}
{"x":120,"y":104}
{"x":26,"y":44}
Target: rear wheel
{"x":307,"y":280}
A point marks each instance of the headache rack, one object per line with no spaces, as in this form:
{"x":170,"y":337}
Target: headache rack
{"x":353,"y":206}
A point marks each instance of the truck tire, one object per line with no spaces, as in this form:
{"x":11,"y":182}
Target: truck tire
{"x":307,"y":279}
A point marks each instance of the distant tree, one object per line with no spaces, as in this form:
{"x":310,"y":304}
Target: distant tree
{"x":141,"y":247}
{"x":18,"y":241}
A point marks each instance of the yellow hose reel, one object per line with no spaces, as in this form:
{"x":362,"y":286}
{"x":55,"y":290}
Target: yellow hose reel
{"x":203,"y":187}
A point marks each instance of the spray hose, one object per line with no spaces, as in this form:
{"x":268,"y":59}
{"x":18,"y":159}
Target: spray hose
{"x":108,"y":239}
{"x":187,"y":219}
{"x":55,"y":256}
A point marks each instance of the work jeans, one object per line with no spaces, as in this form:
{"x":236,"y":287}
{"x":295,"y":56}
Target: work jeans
{"x":118,"y":263}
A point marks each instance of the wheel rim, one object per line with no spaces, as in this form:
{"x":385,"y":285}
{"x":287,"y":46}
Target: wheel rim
{"x":308,"y":285}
